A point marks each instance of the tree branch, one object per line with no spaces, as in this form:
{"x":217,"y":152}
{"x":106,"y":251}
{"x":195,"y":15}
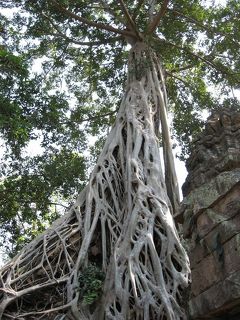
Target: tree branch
{"x":91,"y":118}
{"x":107,"y":8}
{"x":82,"y":43}
{"x":137,"y":9}
{"x":130,"y":21}
{"x":87,"y":43}
{"x":90,"y":23}
{"x":196,"y":55}
{"x":58,"y":204}
{"x":189,"y":66}
{"x":154,"y":24}
{"x":203,"y":26}
{"x":177,"y":78}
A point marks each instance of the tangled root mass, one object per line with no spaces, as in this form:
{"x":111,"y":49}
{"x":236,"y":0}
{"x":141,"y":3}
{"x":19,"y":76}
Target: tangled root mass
{"x":121,"y":222}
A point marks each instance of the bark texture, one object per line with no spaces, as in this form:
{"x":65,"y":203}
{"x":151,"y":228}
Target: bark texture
{"x":122,"y":222}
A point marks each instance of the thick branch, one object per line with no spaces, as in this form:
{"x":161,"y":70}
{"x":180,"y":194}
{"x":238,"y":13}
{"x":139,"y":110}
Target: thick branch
{"x":90,"y":23}
{"x":154,"y":24}
{"x":82,"y":43}
{"x":130,"y":21}
{"x":87,"y":43}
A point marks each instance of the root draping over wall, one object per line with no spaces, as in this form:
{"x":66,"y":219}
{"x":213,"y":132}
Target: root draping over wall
{"x":121,"y":223}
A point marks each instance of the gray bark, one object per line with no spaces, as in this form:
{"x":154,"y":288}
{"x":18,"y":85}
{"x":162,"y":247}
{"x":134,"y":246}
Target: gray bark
{"x":122,"y":221}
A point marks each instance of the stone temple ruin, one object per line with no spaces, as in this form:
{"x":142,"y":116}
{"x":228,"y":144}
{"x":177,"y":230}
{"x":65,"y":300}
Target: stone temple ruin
{"x":210,"y":214}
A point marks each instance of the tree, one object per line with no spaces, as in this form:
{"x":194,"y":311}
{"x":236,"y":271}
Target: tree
{"x":78,"y":91}
{"x":122,"y":222}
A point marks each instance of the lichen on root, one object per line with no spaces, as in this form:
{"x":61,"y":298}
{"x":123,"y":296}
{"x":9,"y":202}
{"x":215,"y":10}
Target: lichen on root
{"x":121,"y":222}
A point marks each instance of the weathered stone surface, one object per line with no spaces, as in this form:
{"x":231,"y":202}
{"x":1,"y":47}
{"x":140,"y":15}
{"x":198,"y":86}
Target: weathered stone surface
{"x":220,"y":301}
{"x":216,"y":265}
{"x":207,"y":196}
{"x":215,"y":151}
{"x":210,"y":214}
{"x":226,"y":229}
{"x":204,"y":196}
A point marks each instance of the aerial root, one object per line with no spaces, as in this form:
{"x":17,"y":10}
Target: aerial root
{"x":121,"y":224}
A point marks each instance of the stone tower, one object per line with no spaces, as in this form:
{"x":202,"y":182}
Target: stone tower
{"x":210,"y":213}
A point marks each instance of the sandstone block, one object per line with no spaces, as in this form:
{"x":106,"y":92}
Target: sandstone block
{"x":216,"y":266}
{"x":226,"y":230}
{"x":221,"y":301}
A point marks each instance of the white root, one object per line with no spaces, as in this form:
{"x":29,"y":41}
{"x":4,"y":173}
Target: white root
{"x":122,"y":222}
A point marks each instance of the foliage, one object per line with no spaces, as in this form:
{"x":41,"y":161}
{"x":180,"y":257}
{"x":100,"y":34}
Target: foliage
{"x":81,"y":48}
{"x":35,"y":195}
{"x":90,"y":283}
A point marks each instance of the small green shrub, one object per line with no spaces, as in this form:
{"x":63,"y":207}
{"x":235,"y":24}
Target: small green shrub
{"x":90,"y":283}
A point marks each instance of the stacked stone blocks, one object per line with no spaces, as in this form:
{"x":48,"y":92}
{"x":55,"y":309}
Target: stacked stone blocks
{"x":210,"y":212}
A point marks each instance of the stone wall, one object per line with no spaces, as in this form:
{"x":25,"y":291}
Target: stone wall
{"x":210,"y":213}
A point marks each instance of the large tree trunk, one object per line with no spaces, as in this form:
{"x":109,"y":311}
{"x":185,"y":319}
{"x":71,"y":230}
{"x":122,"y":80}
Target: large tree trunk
{"x":121,"y":223}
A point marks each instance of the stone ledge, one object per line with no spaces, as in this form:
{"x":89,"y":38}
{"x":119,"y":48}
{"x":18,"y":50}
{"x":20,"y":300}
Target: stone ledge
{"x":221,"y":299}
{"x":216,"y":266}
{"x":205,"y":197}
{"x":223,"y":232}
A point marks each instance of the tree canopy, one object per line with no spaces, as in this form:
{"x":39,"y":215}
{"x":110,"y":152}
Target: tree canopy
{"x":81,"y":50}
